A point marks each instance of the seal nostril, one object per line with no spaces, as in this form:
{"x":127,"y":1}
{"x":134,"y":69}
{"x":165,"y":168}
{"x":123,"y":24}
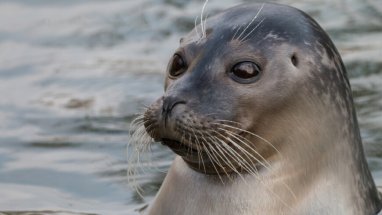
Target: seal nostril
{"x":174,"y":104}
{"x":294,"y":60}
{"x":168,"y":105}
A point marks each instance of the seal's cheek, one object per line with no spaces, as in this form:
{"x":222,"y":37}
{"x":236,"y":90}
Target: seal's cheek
{"x":166,"y":83}
{"x":279,"y":82}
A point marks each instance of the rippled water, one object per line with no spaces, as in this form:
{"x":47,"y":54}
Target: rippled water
{"x":73,"y":73}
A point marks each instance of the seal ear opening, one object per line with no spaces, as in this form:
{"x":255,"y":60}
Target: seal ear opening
{"x":294,"y":60}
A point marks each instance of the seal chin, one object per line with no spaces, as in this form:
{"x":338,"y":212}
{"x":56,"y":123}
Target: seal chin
{"x":199,"y":159}
{"x":179,"y":148}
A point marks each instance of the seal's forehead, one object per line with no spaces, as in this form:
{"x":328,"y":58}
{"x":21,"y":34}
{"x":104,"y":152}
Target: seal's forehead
{"x":279,"y":20}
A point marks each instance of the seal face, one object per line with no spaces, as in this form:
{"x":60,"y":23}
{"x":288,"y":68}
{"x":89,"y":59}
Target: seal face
{"x":260,"y":90}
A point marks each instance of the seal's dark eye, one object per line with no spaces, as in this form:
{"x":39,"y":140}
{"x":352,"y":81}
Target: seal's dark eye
{"x":245,"y":72}
{"x":178,"y":66}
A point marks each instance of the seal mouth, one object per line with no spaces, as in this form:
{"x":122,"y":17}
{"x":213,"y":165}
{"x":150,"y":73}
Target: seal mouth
{"x":178,"y":147}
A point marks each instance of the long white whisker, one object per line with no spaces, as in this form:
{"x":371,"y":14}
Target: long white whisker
{"x":199,"y":153}
{"x":201,"y":20}
{"x":139,"y":144}
{"x":230,"y":121}
{"x":237,"y":31}
{"x":196,"y":27}
{"x":215,"y":158}
{"x":243,"y":150}
{"x":210,"y":157}
{"x":222,"y":155}
{"x":233,"y":155}
{"x":255,"y":135}
{"x":233,"y":135}
{"x":247,"y":167}
{"x":267,"y":165}
{"x":242,"y":40}
{"x":254,"y":173}
{"x":250,"y":23}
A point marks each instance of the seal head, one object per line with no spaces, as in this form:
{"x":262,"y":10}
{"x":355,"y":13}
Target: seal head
{"x":261,"y":88}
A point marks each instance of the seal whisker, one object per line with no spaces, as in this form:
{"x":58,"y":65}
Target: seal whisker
{"x":205,"y":24}
{"x":221,"y":156}
{"x":250,"y":23}
{"x":253,"y":134}
{"x":140,"y":116}
{"x":137,"y":134}
{"x":196,"y":27}
{"x":266,"y":164}
{"x":255,"y":174}
{"x":243,"y":39}
{"x":149,"y":128}
{"x":214,"y":153}
{"x":189,"y":151}
{"x":249,"y":154}
{"x":237,"y":31}
{"x":133,"y":171}
{"x":233,"y":155}
{"x":247,"y":167}
{"x":233,"y":143}
{"x":229,"y":121}
{"x":201,"y":20}
{"x":252,"y":170}
{"x":221,"y":153}
{"x":267,"y":167}
{"x":246,"y":143}
{"x":210,"y":156}
{"x":135,"y":123}
{"x":200,"y":158}
{"x":199,"y":151}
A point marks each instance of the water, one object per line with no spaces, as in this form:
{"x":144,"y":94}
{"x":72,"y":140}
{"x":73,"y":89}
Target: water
{"x":73,"y":73}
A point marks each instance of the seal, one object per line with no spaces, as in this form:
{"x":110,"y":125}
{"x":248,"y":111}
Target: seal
{"x":259,"y":110}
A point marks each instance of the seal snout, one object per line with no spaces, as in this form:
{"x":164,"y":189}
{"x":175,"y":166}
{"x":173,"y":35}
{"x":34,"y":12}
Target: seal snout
{"x":169,"y":103}
{"x":162,"y":117}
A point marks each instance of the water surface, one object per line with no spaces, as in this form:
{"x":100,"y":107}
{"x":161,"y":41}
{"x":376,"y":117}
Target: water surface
{"x":74,"y":73}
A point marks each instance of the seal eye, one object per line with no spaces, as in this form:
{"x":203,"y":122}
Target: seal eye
{"x":177,"y":66}
{"x":245,"y":72}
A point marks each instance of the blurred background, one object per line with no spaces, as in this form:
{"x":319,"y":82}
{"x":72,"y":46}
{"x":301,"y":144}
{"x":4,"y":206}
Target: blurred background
{"x":74,"y":72}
